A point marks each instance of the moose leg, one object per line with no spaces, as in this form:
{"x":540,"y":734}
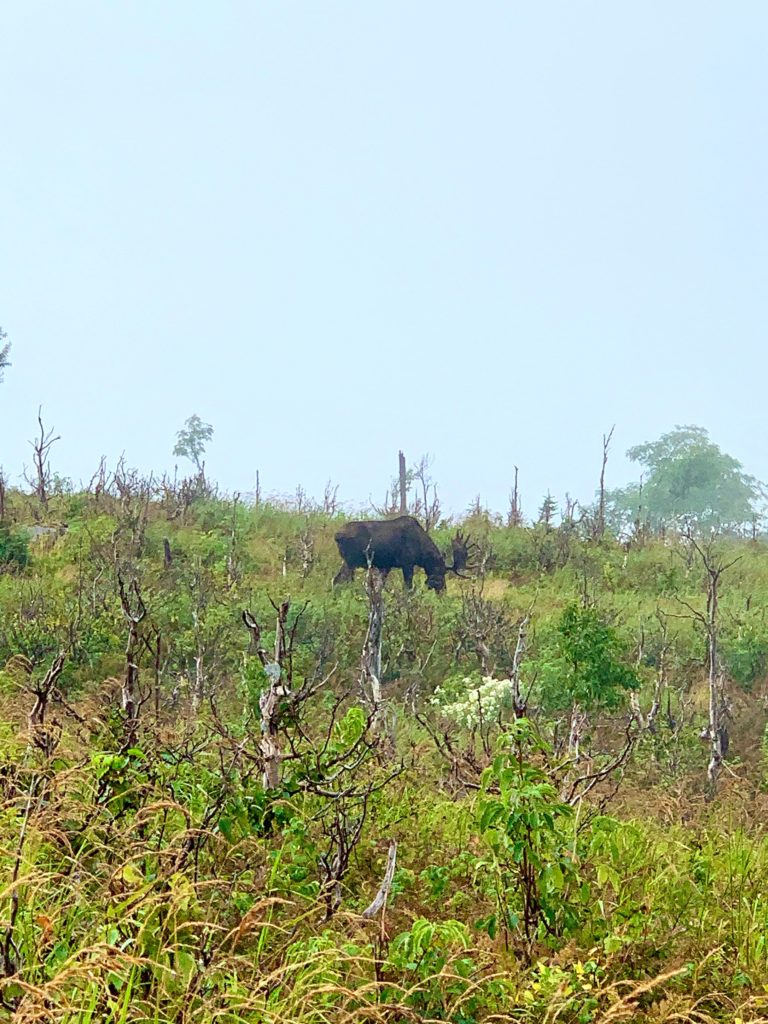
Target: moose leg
{"x":344,"y":575}
{"x":408,"y":576}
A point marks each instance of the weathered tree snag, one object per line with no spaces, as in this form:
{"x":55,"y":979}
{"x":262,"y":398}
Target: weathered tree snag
{"x":648,"y":722}
{"x":426,"y":505}
{"x":279,"y":672}
{"x":519,"y":702}
{"x":403,"y":481}
{"x":515,"y":514}
{"x":716,"y":731}
{"x":576,"y":731}
{"x":40,"y":735}
{"x":41,"y":449}
{"x":380,"y":898}
{"x":600,"y":526}
{"x":130,"y":695}
{"x":269,"y":701}
{"x":269,"y":705}
{"x":370,"y":665}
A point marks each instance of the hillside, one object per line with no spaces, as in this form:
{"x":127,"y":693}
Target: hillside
{"x":231,"y":792}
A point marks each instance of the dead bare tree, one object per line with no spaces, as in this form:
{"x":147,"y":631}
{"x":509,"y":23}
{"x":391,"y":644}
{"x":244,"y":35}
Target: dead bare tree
{"x":233,"y":561}
{"x":600,"y":522}
{"x":519,"y":700}
{"x":716,"y":730}
{"x":307,"y":549}
{"x":278,"y":695}
{"x":426,"y":505}
{"x":100,"y":482}
{"x":391,"y":504}
{"x":336,"y":777}
{"x":515,"y":514}
{"x":370,"y":662}
{"x":41,"y":481}
{"x":134,"y":611}
{"x":331,"y":499}
{"x":661,"y":684}
{"x":41,"y":735}
{"x":574,"y":787}
{"x":483,"y":629}
{"x":134,"y":493}
{"x":207,"y":630}
{"x":403,"y":484}
{"x":380,"y":899}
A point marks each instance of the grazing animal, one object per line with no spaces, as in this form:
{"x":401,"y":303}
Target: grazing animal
{"x":399,"y":543}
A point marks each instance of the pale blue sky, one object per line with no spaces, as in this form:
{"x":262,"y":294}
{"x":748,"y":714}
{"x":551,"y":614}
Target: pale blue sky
{"x":487,"y":231}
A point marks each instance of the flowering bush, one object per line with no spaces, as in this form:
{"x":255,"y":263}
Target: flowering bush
{"x":472,"y":703}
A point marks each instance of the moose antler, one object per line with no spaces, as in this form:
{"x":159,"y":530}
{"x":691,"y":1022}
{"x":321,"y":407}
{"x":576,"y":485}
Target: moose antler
{"x":461,"y":548}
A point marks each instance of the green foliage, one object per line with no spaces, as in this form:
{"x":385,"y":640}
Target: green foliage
{"x":192,"y":439}
{"x":14,"y":549}
{"x":161,"y":882}
{"x":573,"y":990}
{"x":433,"y":959}
{"x":528,"y":831}
{"x":745,"y":652}
{"x":584,"y":662}
{"x":686,"y":476}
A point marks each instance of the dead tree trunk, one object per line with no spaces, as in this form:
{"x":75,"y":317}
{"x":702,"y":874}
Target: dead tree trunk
{"x":380,"y":899}
{"x":716,"y":731}
{"x":370,"y":667}
{"x":198,"y":684}
{"x":40,"y":735}
{"x":269,"y":701}
{"x":41,"y":449}
{"x":515,"y":515}
{"x":269,"y":706}
{"x":600,"y":526}
{"x":130,"y":695}
{"x":403,"y":479}
{"x":648,"y":722}
{"x":576,"y":731}
{"x":279,"y":672}
{"x":519,"y":702}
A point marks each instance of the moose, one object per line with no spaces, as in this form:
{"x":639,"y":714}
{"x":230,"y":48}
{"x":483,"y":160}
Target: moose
{"x":399,"y":543}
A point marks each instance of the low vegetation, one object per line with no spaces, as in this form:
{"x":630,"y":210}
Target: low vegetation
{"x":231,"y":792}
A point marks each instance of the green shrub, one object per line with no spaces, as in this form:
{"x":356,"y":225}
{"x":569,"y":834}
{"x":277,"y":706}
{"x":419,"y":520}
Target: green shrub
{"x":14,"y":549}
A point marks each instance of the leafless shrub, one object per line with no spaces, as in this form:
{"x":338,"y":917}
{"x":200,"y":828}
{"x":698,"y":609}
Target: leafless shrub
{"x":41,"y":481}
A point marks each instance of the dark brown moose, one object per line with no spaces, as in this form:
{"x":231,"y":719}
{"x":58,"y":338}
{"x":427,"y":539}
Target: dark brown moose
{"x":397,"y":544}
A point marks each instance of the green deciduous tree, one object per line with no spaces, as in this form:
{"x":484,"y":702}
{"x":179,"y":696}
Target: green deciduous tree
{"x":686,"y":477}
{"x":192,"y":439}
{"x":585,"y":662}
{"x":526,"y":826}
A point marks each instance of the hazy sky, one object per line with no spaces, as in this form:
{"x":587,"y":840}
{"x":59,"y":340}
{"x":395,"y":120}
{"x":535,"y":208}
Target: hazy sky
{"x":487,"y":231}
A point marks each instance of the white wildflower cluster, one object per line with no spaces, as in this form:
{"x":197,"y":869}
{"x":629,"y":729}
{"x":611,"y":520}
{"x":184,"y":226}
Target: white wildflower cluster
{"x":477,"y":703}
